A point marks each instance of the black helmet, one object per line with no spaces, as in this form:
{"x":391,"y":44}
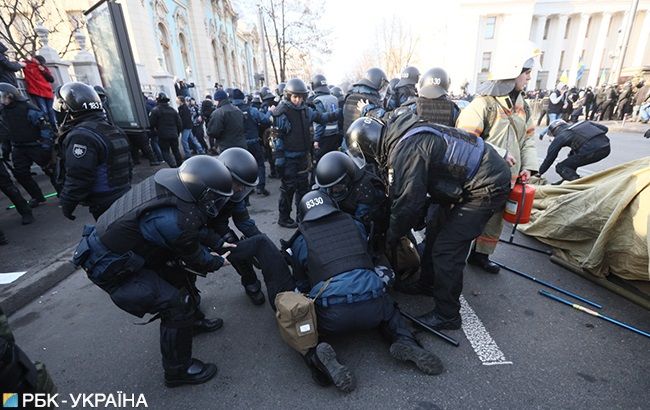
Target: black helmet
{"x":295,"y":86}
{"x":266,"y":94}
{"x":375,"y":78}
{"x":162,"y":97}
{"x":337,"y":92}
{"x":363,"y":139}
{"x":280,"y":90}
{"x":79,"y":98}
{"x":409,"y":76}
{"x":434,"y":83}
{"x":8,"y":90}
{"x":335,"y":172}
{"x":319,"y":84}
{"x":391,"y":86}
{"x":315,"y":205}
{"x":243,"y":168}
{"x":556,"y":126}
{"x":200,"y":179}
{"x":100,"y":91}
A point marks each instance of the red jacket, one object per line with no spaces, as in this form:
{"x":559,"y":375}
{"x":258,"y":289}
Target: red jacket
{"x":37,"y":81}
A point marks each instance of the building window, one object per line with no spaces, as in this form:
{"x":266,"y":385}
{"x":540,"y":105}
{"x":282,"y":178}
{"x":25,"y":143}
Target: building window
{"x":490,"y":23}
{"x":561,"y":59}
{"x":546,"y":27}
{"x":567,"y":28}
{"x":588,"y":27}
{"x":485,"y":62}
{"x":541,"y":59}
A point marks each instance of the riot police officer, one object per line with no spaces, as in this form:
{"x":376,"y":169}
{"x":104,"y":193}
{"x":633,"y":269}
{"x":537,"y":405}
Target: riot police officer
{"x":31,"y":138}
{"x":469,"y":186}
{"x":588,"y":142}
{"x":156,"y":223}
{"x":390,"y":99}
{"x":405,"y":87}
{"x":433,"y":103}
{"x":367,"y":92}
{"x":327,"y":137}
{"x":331,"y":263}
{"x":293,"y":120}
{"x":96,"y":154}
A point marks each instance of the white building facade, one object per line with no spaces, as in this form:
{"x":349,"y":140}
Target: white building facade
{"x":580,"y":40}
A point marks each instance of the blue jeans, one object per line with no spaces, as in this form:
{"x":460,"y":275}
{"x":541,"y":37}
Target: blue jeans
{"x":188,"y":138}
{"x":551,"y":117}
{"x":45,"y":105}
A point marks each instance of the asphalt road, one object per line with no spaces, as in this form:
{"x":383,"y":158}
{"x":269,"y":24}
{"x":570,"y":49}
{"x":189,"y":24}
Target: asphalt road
{"x":549,"y":355}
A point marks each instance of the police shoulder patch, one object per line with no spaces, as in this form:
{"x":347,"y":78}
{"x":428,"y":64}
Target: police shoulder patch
{"x":79,"y":150}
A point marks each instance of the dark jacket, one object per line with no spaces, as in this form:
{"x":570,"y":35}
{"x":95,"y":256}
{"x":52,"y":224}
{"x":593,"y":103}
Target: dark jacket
{"x":226,"y":125}
{"x":8,"y":68}
{"x":567,"y":138}
{"x":207,"y":108}
{"x":186,"y":116}
{"x":165,"y":121}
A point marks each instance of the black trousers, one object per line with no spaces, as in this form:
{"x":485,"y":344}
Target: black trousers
{"x":11,"y":191}
{"x":255,"y":148}
{"x":170,"y":152}
{"x":140,"y":142}
{"x":567,"y":169}
{"x":23,"y":157}
{"x":275,"y":270}
{"x":295,"y":184}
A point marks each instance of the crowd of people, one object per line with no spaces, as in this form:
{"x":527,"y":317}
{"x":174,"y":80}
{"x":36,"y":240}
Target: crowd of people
{"x":359,"y":170}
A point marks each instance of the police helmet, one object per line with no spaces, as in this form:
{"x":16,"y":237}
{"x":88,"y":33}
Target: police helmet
{"x":409,"y":76}
{"x":9,"y":91}
{"x":79,"y":98}
{"x":434,"y":83}
{"x":556,"y":126}
{"x":295,"y":86}
{"x":363,"y":139}
{"x":335,"y":172}
{"x":337,"y":92}
{"x":100,"y":91}
{"x":237,"y":94}
{"x":315,"y":205}
{"x":319,"y":84}
{"x":375,"y":78}
{"x":201,"y":179}
{"x":391,"y":86}
{"x":280,"y":89}
{"x":162,"y":97}
{"x":266,"y":94}
{"x":243,"y":168}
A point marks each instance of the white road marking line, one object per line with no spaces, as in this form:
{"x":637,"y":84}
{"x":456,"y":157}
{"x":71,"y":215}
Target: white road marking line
{"x":6,"y":278}
{"x":485,"y":347}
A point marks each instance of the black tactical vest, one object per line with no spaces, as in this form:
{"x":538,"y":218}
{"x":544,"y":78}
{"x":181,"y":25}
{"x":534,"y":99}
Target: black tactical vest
{"x":437,"y":110}
{"x":118,"y":228}
{"x":350,"y":111}
{"x":299,"y":138}
{"x":118,"y":152}
{"x":334,"y":246}
{"x":21,"y":130}
{"x":584,"y":131}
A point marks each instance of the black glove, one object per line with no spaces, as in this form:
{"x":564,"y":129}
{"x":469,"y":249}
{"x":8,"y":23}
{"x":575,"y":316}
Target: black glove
{"x":68,"y":208}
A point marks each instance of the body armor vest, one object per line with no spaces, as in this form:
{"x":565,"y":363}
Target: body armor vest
{"x":299,"y":138}
{"x":117,"y":165}
{"x":250,"y":125}
{"x":331,"y":104}
{"x":334,"y":246}
{"x":350,"y":111}
{"x":584,"y":131}
{"x":437,"y":110}
{"x":118,"y":228}
{"x":21,"y":130}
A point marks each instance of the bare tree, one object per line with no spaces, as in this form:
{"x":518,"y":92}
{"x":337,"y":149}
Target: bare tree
{"x":18,"y":21}
{"x":293,"y":37}
{"x":396,"y":45}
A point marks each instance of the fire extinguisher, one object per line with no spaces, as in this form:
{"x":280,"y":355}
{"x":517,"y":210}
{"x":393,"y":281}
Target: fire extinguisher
{"x":519,"y":203}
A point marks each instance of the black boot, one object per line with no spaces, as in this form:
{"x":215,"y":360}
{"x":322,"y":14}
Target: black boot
{"x":263,"y":191}
{"x":408,"y":350}
{"x":319,"y":376}
{"x":3,"y":240}
{"x":483,"y":261}
{"x":414,"y":288}
{"x":196,"y":373}
{"x":206,"y":325}
{"x":254,"y":292}
{"x":340,"y":375}
{"x":437,"y":322}
{"x":287,"y":222}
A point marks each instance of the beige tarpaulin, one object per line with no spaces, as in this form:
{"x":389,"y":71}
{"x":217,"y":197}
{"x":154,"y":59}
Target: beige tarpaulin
{"x":599,"y":222}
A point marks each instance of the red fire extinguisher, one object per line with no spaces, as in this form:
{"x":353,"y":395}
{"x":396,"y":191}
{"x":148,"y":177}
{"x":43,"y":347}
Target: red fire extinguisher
{"x":519,"y":203}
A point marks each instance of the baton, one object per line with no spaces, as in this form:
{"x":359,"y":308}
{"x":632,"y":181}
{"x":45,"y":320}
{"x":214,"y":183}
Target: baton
{"x":45,"y":196}
{"x":592,"y":313}
{"x":430,"y":329}
{"x":541,"y":282}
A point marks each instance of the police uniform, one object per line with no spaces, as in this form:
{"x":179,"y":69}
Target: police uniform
{"x":97,"y":163}
{"x":462,"y":174}
{"x":253,"y":119}
{"x":327,"y":135}
{"x":357,"y":93}
{"x":588,"y":142}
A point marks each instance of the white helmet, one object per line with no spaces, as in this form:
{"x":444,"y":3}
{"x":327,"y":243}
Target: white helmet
{"x":512,"y":60}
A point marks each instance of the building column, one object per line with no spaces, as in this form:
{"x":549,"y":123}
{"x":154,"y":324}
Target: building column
{"x":642,"y":42}
{"x":556,"y":49}
{"x":599,"y":49}
{"x":577,"y":51}
{"x":538,"y":37}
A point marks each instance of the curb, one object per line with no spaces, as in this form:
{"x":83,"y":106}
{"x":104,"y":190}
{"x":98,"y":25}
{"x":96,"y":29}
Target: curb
{"x":36,"y":281}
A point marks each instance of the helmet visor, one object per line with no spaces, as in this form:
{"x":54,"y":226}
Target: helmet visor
{"x":240,"y":191}
{"x":338,"y":192}
{"x":212,"y":201}
{"x":354,"y":152}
